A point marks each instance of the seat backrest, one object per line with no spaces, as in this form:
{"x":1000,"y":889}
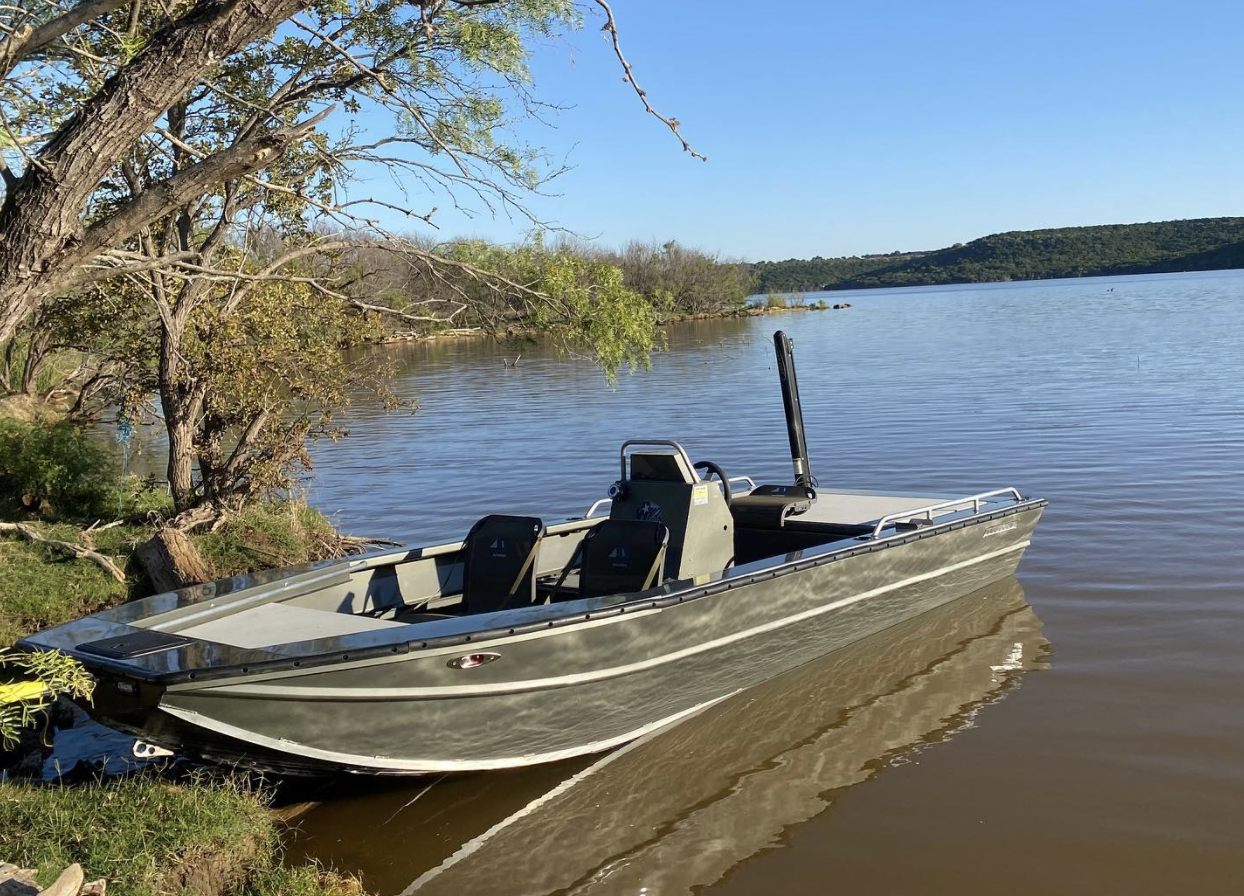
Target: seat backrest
{"x":621,"y":556}
{"x":499,"y":560}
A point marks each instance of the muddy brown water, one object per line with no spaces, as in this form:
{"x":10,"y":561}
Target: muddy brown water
{"x":1077,"y":730}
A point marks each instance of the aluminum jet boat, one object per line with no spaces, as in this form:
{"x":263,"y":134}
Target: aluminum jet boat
{"x":530,"y":641}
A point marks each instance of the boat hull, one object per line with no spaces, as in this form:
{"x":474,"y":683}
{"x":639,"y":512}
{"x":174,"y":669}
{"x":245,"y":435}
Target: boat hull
{"x":568,"y":690}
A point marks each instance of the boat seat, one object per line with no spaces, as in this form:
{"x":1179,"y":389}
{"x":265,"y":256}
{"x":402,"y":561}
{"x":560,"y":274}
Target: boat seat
{"x":769,"y":506}
{"x":621,"y":556}
{"x":499,"y":559}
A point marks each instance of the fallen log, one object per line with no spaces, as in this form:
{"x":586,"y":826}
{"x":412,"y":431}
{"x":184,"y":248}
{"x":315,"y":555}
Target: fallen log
{"x":30,"y":534}
{"x":171,"y":561}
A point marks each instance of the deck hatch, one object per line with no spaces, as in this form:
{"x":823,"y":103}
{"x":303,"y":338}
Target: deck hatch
{"x":139,"y":643}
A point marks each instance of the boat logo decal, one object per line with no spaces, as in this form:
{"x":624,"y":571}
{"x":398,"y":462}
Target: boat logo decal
{"x":620,"y":557}
{"x":998,"y":530}
{"x":471,"y":660}
{"x":499,"y":548}
{"x":649,"y":510}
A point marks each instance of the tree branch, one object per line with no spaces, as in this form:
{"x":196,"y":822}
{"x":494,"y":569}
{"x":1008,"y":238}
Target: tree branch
{"x":24,"y":41}
{"x":95,"y":557}
{"x":611,"y":28}
{"x":158,"y":199}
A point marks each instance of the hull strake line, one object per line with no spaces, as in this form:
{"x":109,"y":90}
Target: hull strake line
{"x":413,"y":766}
{"x":296,"y":692}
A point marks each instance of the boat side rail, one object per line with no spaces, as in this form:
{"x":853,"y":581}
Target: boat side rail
{"x":957,"y":503}
{"x":595,"y":507}
{"x":751,"y":483}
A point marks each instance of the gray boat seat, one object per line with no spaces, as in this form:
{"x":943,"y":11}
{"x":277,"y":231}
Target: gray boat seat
{"x":498,"y":566}
{"x":621,"y":556}
{"x":769,"y":506}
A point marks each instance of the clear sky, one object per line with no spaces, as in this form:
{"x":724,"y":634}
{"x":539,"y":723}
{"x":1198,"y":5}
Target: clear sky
{"x":836,"y":128}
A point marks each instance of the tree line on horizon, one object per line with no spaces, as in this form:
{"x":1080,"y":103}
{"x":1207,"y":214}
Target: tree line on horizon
{"x":1200,"y":244}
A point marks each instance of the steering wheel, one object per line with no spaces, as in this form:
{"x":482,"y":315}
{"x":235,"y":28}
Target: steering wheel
{"x":721,"y":474}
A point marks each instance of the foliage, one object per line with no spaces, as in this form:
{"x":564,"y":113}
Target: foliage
{"x":775,"y":300}
{"x":272,"y":374}
{"x":683,"y":281}
{"x":578,"y":300}
{"x":53,"y":675}
{"x":59,"y":466}
{"x":1193,"y":245}
{"x":136,"y":832}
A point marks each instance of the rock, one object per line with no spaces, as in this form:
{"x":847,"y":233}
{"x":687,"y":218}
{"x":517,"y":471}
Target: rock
{"x":16,"y":881}
{"x":68,"y":884}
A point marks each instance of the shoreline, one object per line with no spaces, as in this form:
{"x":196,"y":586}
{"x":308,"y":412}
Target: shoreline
{"x":481,"y":333}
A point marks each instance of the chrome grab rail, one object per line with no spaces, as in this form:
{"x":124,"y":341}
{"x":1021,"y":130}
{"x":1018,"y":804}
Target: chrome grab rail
{"x":591,"y":510}
{"x":666,"y":443}
{"x":891,"y":518}
{"x":751,"y":483}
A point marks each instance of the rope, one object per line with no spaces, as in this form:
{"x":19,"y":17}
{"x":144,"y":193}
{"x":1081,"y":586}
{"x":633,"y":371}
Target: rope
{"x":124,"y":436}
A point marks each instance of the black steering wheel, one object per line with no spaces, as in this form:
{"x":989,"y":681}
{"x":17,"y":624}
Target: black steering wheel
{"x":721,"y":474}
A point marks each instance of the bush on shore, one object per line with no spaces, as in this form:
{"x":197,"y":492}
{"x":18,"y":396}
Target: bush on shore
{"x":54,"y":468}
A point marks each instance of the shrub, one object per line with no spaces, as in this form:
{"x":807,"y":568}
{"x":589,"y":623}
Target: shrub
{"x":265,"y":535}
{"x":56,"y":467}
{"x":776,"y":300}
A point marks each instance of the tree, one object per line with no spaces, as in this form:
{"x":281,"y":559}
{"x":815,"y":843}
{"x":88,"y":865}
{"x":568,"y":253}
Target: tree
{"x":101,"y":99}
{"x":198,"y":159}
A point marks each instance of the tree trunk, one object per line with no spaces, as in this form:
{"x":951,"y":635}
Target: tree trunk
{"x":180,"y":465}
{"x":40,"y":220}
{"x":171,"y":561}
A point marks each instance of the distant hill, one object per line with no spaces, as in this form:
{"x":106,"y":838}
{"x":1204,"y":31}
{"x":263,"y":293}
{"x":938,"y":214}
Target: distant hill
{"x":1200,"y":244}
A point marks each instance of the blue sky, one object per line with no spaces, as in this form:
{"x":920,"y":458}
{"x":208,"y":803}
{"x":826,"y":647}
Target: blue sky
{"x":838,"y":129}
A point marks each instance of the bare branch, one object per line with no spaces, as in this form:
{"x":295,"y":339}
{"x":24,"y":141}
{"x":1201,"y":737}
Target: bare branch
{"x":611,"y":28}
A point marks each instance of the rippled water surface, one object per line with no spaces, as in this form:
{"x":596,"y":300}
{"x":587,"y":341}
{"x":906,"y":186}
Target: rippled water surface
{"x":895,"y":766}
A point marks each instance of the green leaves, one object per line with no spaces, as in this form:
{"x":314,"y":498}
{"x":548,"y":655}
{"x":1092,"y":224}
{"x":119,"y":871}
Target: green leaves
{"x":582,"y":304}
{"x":40,"y":679}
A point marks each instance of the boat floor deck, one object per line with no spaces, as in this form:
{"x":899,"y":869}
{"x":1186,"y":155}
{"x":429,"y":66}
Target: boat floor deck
{"x":860,"y":507}
{"x":277,"y":623}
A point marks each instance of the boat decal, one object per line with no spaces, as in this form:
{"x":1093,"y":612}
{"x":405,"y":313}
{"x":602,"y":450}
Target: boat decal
{"x":649,"y":510}
{"x":270,"y":691}
{"x":1000,"y":528}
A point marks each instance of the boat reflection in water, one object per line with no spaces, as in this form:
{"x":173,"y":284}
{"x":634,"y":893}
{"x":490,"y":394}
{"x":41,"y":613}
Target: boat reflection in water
{"x":679,"y":809}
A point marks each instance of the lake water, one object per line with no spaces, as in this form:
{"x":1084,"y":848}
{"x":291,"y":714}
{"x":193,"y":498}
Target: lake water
{"x":1080,"y":730}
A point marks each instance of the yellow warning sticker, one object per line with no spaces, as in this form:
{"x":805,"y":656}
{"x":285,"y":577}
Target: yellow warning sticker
{"x":699,"y":494}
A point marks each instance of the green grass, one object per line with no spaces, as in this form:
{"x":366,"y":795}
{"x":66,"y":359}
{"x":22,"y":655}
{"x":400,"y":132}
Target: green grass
{"x":263,"y":536}
{"x":301,"y":880}
{"x":149,"y":837}
{"x":144,"y":835}
{"x":41,"y":586}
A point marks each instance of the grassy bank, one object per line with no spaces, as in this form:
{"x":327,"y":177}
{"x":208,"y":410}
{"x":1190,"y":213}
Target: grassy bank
{"x":146,"y":835}
{"x":150,"y":837}
{"x":41,"y":585}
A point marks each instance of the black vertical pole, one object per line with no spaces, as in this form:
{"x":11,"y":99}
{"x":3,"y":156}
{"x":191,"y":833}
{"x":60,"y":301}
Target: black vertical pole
{"x":794,"y":412}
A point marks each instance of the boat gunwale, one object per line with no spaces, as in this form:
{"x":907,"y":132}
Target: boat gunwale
{"x":660,"y":597}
